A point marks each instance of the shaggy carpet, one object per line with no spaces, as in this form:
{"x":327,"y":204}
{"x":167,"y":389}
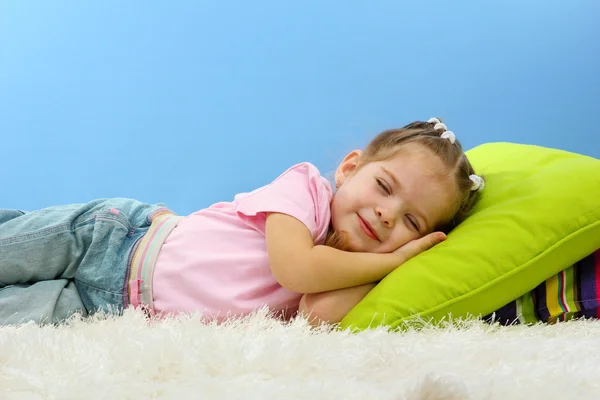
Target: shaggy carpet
{"x":260,"y":358}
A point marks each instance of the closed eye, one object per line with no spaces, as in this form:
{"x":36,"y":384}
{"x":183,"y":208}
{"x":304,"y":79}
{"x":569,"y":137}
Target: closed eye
{"x":384,"y":186}
{"x":413,"y":222}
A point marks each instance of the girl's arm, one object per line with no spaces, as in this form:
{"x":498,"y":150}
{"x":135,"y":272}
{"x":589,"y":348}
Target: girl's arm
{"x":331,"y":307}
{"x":300,"y":266}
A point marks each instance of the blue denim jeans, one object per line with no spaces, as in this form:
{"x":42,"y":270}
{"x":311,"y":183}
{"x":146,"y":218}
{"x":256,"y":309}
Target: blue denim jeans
{"x":68,"y":259}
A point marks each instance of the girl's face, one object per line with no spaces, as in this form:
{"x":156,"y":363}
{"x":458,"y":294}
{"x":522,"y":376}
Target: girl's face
{"x":382,"y":205}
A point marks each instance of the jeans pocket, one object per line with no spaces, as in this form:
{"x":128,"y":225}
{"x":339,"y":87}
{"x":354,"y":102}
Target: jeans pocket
{"x":102,"y":272}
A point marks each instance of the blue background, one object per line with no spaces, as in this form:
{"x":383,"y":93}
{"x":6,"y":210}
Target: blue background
{"x":190,"y":102}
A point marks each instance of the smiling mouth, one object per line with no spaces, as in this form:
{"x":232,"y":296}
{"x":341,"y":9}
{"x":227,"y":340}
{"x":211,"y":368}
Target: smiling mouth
{"x":367,"y":228}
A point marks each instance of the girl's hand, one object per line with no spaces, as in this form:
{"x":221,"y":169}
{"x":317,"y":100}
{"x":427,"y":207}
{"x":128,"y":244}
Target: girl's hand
{"x":417,"y":246}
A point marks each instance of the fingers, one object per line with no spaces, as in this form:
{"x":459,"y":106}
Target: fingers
{"x":432,"y":239}
{"x":417,"y":246}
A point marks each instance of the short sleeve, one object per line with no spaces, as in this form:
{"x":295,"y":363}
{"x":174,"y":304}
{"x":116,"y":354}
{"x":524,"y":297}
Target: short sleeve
{"x":300,"y":192}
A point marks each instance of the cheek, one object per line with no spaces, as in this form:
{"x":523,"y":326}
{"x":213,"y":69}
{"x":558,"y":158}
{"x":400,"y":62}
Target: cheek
{"x":401,"y":236}
{"x":335,"y":211}
{"x":341,"y":206}
{"x":341,"y":201}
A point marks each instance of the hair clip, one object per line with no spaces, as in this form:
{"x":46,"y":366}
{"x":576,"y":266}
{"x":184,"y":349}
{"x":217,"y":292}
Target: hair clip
{"x":478,"y":182}
{"x":440,"y":125}
{"x":449,"y":135}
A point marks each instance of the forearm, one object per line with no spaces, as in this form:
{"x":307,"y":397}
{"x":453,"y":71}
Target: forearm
{"x":329,"y":269}
{"x":331,"y":307}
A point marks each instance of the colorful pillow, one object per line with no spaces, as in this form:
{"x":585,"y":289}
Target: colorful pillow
{"x":539,"y":213}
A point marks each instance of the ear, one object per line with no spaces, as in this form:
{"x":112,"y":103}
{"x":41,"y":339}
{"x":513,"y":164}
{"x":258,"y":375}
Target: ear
{"x":347,"y":166}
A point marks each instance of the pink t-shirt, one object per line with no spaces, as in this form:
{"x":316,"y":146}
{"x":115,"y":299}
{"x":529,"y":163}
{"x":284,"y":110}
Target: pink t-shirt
{"x":216,"y":261}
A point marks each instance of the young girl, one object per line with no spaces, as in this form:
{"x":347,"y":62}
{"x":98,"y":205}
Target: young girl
{"x":293,"y":245}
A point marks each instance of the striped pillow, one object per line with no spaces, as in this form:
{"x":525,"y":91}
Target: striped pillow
{"x":572,"y":293}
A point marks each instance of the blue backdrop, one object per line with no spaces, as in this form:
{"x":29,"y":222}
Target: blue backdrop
{"x":190,"y":102}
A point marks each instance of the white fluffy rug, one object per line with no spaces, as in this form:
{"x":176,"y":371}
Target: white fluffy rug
{"x":259,"y":358}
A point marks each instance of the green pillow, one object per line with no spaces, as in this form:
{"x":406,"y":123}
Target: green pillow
{"x":539,"y":213}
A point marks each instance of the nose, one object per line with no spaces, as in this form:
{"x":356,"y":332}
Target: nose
{"x":386,"y":216}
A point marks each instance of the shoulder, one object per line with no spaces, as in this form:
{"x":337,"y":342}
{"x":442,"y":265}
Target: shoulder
{"x":300,"y":183}
{"x":300,"y":192}
{"x":305,"y":172}
{"x":303,"y":168}
{"x":305,"y":177}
